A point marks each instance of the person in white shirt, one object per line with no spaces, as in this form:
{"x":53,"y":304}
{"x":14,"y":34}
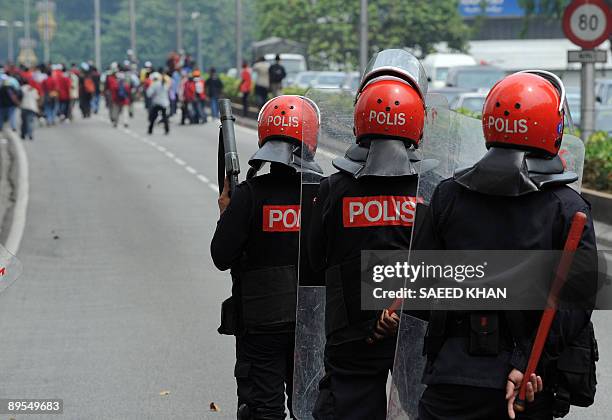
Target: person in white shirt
{"x":158,"y":92}
{"x":29,"y":109}
{"x":262,"y":80}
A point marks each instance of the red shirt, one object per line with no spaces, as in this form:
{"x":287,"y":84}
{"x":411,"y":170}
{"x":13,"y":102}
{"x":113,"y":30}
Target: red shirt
{"x":245,"y":85}
{"x":49,"y":85}
{"x":189,"y":91}
{"x":64,"y":88}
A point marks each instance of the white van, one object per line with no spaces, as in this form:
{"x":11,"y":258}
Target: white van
{"x":437,"y":65}
{"x":293,"y":64}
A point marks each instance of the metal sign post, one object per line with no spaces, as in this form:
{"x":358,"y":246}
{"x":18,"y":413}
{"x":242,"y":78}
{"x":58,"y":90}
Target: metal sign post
{"x":587,"y":23}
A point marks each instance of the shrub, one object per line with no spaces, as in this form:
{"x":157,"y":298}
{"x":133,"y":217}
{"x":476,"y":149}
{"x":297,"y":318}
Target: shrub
{"x":598,"y":162}
{"x":294,"y":90}
{"x":231,"y":87}
{"x":469,"y":113}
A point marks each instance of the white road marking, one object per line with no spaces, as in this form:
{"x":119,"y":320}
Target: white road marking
{"x":20,"y":208}
{"x":246,"y":129}
{"x":161,"y":149}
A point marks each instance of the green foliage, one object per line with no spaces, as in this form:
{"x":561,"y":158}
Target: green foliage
{"x":465,"y":111}
{"x":330,"y":28}
{"x":294,"y":90}
{"x":598,"y":162}
{"x":155,"y":29}
{"x":552,"y":8}
{"x":231,"y":87}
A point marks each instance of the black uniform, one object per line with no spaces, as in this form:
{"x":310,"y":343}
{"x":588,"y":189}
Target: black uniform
{"x":464,"y":384}
{"x":344,"y":224}
{"x":257,"y":237}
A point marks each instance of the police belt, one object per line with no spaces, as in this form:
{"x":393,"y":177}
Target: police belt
{"x":268,"y":296}
{"x":485,"y":338}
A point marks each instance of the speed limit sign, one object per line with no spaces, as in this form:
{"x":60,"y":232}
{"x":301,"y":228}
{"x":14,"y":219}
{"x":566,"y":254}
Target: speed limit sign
{"x":587,"y":23}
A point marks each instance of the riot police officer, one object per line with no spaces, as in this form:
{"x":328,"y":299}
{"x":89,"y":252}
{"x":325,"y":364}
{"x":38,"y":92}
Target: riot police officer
{"x":257,"y":238}
{"x":379,"y":171}
{"x":516,"y":197}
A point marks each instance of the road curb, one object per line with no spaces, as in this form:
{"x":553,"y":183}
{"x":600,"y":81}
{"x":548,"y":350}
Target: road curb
{"x":601,"y":205}
{"x":21,"y":190}
{"x":250,"y":121}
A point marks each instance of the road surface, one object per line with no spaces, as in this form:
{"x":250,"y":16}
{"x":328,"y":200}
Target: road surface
{"x":119,"y":299}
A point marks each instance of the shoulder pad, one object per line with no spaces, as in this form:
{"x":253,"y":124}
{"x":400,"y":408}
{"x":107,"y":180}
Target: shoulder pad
{"x":548,"y":180}
{"x":353,"y":161}
{"x":549,"y":172}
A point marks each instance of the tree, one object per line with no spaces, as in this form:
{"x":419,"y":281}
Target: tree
{"x":330,"y":28}
{"x":155,"y":27}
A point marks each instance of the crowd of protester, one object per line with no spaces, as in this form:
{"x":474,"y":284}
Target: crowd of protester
{"x":47,"y":92}
{"x":180,"y":87}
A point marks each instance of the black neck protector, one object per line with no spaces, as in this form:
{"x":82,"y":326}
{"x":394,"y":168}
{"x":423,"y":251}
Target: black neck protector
{"x":385,"y":158}
{"x":511,"y":172}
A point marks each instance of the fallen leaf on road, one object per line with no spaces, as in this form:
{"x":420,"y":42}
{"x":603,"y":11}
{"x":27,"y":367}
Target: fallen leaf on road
{"x":214,"y":407}
{"x":164,"y":393}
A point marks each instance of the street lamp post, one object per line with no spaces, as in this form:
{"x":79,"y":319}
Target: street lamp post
{"x":179,"y":26}
{"x":10,"y":28}
{"x":363,"y":36}
{"x":97,"y":46}
{"x":26,"y":20}
{"x":47,"y":50}
{"x":238,"y":35}
{"x":7,"y":24}
{"x":16,"y":24}
{"x":133,"y":29}
{"x":195,"y":18}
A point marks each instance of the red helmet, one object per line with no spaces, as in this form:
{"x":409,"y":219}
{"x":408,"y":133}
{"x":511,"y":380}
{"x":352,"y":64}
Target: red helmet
{"x":389,"y":107}
{"x":290,"y":118}
{"x":525,"y":110}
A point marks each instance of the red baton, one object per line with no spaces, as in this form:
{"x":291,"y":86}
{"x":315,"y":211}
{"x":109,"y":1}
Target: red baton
{"x":571,"y":244}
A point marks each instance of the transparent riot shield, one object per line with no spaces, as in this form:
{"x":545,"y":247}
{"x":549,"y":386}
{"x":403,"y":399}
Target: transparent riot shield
{"x":572,"y":156}
{"x":10,"y":268}
{"x":465,"y":147}
{"x":335,"y":136}
{"x":450,"y":141}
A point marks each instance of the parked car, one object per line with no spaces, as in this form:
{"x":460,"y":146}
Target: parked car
{"x":472,"y":101}
{"x":474,"y":77}
{"x":451,"y":93}
{"x":329,"y":80}
{"x":351,"y":82}
{"x":303,"y":79}
{"x":603,"y":92}
{"x":438,"y":65}
{"x":293,"y":64}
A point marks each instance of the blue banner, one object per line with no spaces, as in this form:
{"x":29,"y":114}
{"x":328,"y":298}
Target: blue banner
{"x":494,"y":8}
